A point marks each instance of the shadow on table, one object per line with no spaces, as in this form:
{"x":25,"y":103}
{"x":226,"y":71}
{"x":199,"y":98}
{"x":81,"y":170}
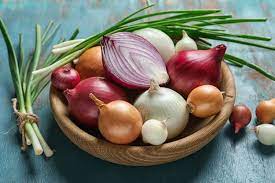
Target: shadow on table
{"x":264,"y":150}
{"x":234,"y":138}
{"x":74,"y":165}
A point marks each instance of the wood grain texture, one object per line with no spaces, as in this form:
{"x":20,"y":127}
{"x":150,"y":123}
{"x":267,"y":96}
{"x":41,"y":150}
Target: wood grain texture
{"x":145,"y":155}
{"x":227,"y":158}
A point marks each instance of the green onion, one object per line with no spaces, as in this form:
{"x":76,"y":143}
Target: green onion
{"x":194,"y":22}
{"x":27,"y":87}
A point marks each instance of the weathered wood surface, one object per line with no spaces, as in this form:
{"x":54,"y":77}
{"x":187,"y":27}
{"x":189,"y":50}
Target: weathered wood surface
{"x":227,"y":158}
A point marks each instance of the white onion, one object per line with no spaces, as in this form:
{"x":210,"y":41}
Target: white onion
{"x":166,"y":105}
{"x":154,"y":132}
{"x":186,"y":43}
{"x":266,"y":134}
{"x":161,"y":41}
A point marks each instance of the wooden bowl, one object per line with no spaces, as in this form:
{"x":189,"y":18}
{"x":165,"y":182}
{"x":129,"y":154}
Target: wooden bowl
{"x":197,"y":134}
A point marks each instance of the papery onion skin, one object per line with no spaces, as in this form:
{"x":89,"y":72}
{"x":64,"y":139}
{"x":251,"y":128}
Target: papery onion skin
{"x":161,"y":41}
{"x":119,"y":122}
{"x":240,"y":117}
{"x":265,"y":111}
{"x":64,"y":78}
{"x":189,"y":69}
{"x":132,"y":61}
{"x":80,"y":105}
{"x":165,"y":105}
{"x":205,"y":101}
{"x":90,"y":63}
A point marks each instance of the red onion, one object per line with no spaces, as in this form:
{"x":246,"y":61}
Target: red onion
{"x":240,"y":117}
{"x":132,"y":61}
{"x":80,"y":105}
{"x":64,"y":78}
{"x":189,"y":69}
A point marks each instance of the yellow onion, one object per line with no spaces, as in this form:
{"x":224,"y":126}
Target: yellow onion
{"x":205,"y":101}
{"x":119,"y":122}
{"x":265,"y":111}
{"x":90,"y":63}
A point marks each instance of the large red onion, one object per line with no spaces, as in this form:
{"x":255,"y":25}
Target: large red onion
{"x":80,"y":105}
{"x":132,"y":61}
{"x":189,"y":69}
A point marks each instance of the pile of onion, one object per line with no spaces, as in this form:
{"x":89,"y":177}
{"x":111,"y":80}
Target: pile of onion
{"x":133,"y":61}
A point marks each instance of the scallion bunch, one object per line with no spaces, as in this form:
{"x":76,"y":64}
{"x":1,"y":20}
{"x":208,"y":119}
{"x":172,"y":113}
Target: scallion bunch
{"x":27,"y":86}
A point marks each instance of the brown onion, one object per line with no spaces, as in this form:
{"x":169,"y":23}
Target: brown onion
{"x":90,"y":63}
{"x":205,"y":101}
{"x":119,"y":121}
{"x":265,"y":111}
{"x":240,"y":117}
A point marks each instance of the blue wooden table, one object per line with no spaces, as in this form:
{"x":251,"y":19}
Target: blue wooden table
{"x":228,"y":158}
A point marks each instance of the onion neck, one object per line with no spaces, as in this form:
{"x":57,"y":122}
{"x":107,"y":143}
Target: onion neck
{"x":153,"y":86}
{"x":190,"y":107}
{"x":219,"y":52}
{"x":97,"y":102}
{"x":184,"y":34}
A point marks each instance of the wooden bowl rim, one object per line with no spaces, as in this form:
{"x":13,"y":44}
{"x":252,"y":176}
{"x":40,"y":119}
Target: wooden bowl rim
{"x":195,"y":138}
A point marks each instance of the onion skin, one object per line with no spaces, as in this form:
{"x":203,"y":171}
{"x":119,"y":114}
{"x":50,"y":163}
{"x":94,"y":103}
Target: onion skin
{"x":90,"y":63}
{"x":265,"y":111}
{"x":205,"y":101}
{"x":240,"y":117}
{"x":189,"y":69}
{"x":80,"y":105}
{"x":64,"y":78}
{"x":119,"y":122}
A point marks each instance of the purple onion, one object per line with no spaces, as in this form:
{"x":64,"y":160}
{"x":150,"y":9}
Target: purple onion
{"x":132,"y":61}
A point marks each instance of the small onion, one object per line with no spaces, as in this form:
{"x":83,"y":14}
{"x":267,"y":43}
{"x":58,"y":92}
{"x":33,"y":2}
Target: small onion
{"x":164,"y":104}
{"x":265,"y":111}
{"x":119,"y":121}
{"x":240,"y":117}
{"x":90,"y":63}
{"x":186,"y":43}
{"x":80,"y":106}
{"x":132,"y":61}
{"x":162,"y":42}
{"x":205,"y":101}
{"x":154,"y":132}
{"x":266,"y":134}
{"x":64,"y":78}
